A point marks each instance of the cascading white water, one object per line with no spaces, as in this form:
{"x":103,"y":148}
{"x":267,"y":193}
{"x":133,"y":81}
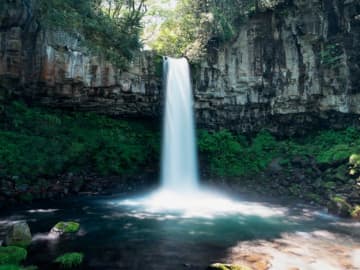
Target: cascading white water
{"x":180,"y":190}
{"x":179,"y":170}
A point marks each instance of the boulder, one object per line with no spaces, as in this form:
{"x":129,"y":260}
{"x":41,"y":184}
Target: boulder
{"x":18,"y":234}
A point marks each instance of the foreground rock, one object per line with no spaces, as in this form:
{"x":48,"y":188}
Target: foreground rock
{"x":65,"y":227}
{"x":18,"y":235}
{"x":316,"y":250}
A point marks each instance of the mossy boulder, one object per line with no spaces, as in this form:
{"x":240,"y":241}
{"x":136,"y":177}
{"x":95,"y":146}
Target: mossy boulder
{"x":70,"y":260}
{"x":18,"y":235}
{"x":222,"y":266}
{"x":354,"y":162}
{"x":66,"y":227}
{"x":12,"y":255}
{"x":339,"y":206}
{"x":355,"y":213}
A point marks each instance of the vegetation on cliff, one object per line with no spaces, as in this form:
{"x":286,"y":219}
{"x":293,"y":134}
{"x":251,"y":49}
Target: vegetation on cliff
{"x":109,"y":27}
{"x":36,"y":142}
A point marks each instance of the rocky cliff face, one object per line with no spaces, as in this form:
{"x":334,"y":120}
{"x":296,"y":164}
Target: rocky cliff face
{"x":289,"y":69}
{"x":54,"y":69}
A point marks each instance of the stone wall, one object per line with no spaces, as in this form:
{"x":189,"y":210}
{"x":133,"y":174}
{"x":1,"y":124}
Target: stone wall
{"x":289,"y":69}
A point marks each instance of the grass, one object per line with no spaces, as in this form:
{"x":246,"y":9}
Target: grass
{"x":70,"y":260}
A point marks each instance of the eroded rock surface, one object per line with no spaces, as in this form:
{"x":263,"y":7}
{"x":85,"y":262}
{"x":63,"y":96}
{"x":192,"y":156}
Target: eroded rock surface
{"x":289,"y":69}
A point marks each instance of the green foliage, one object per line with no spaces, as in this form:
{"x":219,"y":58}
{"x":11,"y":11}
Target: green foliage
{"x":230,"y":155}
{"x":35,"y":142}
{"x":68,"y":227}
{"x":178,"y":30}
{"x":12,"y":255}
{"x":187,"y":29}
{"x":70,"y":260}
{"x":10,"y":267}
{"x":110,"y":27}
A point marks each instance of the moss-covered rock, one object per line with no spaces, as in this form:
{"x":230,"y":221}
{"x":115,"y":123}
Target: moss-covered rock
{"x":339,"y":206}
{"x":222,"y":266}
{"x":12,"y":255}
{"x":66,"y":227}
{"x":355,"y":213}
{"x":18,"y":235}
{"x":70,"y":260}
{"x":354,"y":162}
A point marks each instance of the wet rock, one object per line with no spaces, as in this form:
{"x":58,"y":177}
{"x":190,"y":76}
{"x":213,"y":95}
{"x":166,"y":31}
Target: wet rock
{"x":18,"y":235}
{"x":339,"y":206}
{"x":355,"y":213}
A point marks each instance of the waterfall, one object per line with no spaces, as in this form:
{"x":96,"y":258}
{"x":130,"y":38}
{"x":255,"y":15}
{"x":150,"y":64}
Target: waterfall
{"x":179,"y":170}
{"x":180,"y":190}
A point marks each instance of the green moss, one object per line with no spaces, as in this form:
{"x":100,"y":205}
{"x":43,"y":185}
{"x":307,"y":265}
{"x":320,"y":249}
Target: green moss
{"x":10,"y":267}
{"x":17,"y":267}
{"x":70,"y":260}
{"x":68,"y":227}
{"x":355,"y":159}
{"x":12,"y":255}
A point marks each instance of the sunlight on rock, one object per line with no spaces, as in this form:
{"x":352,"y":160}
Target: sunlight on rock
{"x":299,"y":250}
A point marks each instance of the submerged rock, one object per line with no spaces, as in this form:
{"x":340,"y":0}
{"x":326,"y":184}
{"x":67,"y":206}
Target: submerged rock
{"x":18,"y":235}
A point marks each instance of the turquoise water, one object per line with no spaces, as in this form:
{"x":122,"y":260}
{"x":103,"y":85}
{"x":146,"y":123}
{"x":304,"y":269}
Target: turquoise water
{"x":115,"y":236}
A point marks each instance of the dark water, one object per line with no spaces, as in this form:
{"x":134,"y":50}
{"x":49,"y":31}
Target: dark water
{"x":124,"y":237}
